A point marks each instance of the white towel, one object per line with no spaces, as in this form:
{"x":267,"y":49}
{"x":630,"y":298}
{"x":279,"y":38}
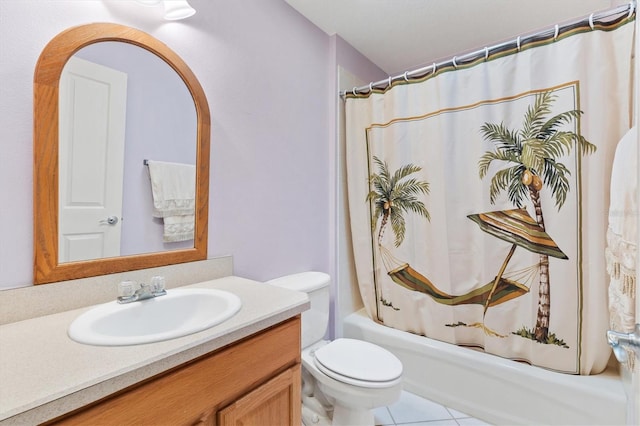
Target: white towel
{"x":178,"y":228}
{"x":173,"y":186}
{"x":622,"y":237}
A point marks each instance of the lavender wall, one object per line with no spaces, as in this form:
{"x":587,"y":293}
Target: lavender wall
{"x":266,"y":73}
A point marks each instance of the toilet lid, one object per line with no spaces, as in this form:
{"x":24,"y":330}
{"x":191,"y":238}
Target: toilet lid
{"x":345,"y":359}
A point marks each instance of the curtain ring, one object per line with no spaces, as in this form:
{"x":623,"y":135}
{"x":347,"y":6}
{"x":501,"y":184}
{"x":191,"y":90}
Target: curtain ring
{"x":354,"y":91}
{"x":389,"y":82}
{"x":518,"y":43}
{"x":591,"y":22}
{"x":453,"y":61}
{"x":370,"y":87}
{"x":405,"y":76}
{"x":435,"y":67}
{"x":555,"y":34}
{"x":486,"y":53}
{"x":632,"y":6}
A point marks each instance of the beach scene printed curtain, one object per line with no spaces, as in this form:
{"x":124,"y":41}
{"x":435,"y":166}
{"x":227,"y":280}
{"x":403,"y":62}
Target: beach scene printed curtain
{"x":478,"y":198}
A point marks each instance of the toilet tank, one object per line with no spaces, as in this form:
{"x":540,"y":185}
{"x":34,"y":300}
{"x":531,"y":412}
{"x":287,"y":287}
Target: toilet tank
{"x":315,"y":320}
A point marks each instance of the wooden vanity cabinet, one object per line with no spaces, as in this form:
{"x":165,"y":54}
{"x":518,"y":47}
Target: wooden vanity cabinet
{"x":255,"y":381}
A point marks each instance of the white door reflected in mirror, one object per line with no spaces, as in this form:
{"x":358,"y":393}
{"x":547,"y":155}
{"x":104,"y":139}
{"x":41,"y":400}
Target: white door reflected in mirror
{"x":93,"y":100}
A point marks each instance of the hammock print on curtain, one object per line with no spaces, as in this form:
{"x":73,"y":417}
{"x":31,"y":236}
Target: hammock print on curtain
{"x":477,"y":199}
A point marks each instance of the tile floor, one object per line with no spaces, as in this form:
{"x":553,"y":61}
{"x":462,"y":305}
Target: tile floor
{"x":412,"y":410}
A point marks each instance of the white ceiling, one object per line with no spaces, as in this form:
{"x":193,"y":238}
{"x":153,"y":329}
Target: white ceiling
{"x":402,"y":35}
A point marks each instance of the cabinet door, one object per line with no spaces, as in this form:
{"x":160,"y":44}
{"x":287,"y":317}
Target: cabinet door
{"x":277,"y":402}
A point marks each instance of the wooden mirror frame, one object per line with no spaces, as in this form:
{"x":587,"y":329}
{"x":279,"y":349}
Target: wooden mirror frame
{"x":45,"y":148}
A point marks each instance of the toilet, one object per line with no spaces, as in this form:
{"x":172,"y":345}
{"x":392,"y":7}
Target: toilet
{"x":344,"y":379}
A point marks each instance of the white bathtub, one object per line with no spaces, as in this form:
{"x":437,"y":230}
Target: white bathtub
{"x":494,"y":389}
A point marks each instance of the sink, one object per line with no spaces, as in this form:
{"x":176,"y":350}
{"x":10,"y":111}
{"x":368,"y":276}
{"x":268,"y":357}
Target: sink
{"x":179,"y":313}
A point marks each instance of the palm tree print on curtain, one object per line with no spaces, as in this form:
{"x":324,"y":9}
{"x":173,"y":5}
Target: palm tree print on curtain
{"x":531,"y":155}
{"x":394,"y":195}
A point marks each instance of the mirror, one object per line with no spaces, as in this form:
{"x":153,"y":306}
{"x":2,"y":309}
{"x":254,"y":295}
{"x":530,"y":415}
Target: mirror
{"x":84,"y":42}
{"x":119,"y":106}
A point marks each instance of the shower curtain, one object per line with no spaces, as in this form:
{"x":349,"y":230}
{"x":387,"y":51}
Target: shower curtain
{"x":478,"y":197}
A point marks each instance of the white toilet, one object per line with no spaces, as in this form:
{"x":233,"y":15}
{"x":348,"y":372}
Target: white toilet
{"x":342,"y":380}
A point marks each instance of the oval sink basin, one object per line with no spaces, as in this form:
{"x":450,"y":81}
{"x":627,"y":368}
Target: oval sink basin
{"x":179,"y":313}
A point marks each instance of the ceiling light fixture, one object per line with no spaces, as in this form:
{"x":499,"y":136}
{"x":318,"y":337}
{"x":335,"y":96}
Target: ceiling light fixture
{"x":177,"y":9}
{"x":173,"y":9}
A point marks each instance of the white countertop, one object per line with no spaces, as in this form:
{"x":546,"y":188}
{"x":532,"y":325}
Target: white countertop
{"x":44,"y":374}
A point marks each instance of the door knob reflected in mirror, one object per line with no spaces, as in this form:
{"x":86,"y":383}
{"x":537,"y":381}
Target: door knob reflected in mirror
{"x":111,"y":220}
{"x":623,"y":343}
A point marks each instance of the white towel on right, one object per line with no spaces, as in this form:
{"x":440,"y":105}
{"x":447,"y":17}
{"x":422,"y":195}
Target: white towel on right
{"x":622,"y":237}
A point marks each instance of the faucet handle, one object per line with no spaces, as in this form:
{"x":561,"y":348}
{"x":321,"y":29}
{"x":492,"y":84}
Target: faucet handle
{"x":624,"y":344}
{"x":126,"y":288}
{"x":157,"y":284}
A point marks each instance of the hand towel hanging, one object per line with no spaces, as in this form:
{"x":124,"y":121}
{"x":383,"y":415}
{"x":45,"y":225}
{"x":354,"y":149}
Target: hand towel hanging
{"x":173,"y":188}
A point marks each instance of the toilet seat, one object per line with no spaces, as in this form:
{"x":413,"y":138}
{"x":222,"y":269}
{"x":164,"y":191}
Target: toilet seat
{"x":358,"y":363}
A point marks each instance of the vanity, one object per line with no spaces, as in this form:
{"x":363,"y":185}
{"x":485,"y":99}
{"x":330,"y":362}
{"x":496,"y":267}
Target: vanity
{"x":245,"y":370}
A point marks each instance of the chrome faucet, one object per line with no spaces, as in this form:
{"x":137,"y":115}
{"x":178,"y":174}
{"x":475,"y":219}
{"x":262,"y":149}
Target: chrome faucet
{"x":128,"y":293}
{"x":622,"y":341}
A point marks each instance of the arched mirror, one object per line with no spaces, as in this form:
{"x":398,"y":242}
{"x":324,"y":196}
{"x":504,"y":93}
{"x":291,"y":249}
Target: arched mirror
{"x":155,"y":114}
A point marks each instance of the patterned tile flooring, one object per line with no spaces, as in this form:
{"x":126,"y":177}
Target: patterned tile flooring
{"x":413,"y":410}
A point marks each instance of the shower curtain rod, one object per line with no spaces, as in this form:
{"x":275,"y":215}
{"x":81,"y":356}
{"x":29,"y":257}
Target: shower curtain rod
{"x":458,"y":60}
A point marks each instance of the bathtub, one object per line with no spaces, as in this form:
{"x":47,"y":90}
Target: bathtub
{"x":496,"y":390}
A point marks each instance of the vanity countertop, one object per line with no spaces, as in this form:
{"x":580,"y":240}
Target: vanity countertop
{"x":44,"y":374}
